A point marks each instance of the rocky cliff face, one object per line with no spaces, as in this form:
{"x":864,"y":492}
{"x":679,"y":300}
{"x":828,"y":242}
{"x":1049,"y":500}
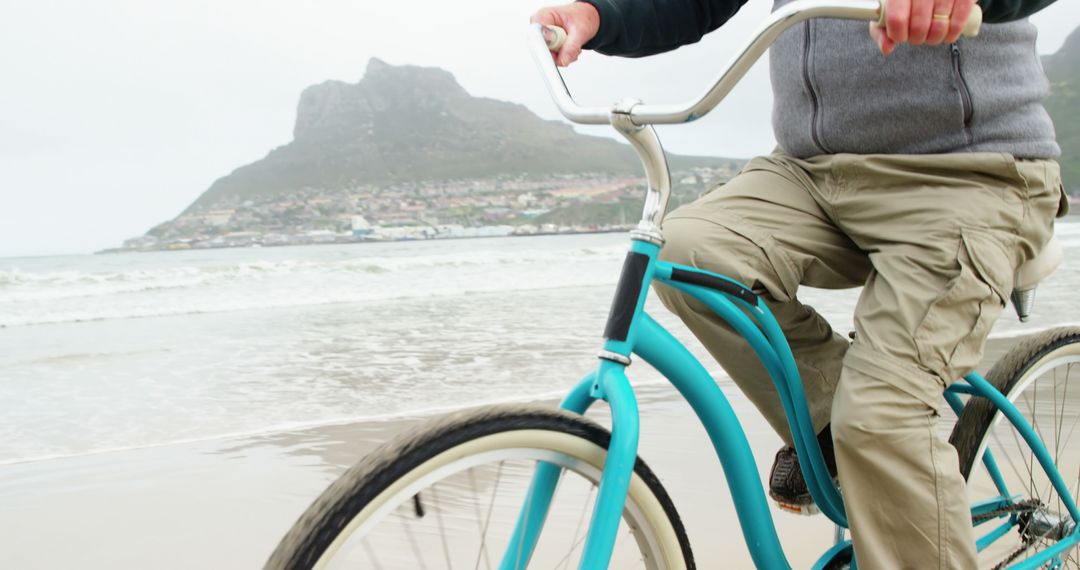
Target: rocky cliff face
{"x":407,"y":123}
{"x":1066,"y":62}
{"x":334,"y":111}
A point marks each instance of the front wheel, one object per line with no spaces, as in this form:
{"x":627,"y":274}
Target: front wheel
{"x":448,"y":494}
{"x":1041,"y":377}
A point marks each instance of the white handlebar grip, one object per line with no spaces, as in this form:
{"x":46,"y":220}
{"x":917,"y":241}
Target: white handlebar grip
{"x":973,"y":23}
{"x":971,"y":26}
{"x":555,"y":37}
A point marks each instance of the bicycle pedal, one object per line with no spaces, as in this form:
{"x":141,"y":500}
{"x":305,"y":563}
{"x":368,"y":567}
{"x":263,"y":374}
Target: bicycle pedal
{"x":804,"y":510}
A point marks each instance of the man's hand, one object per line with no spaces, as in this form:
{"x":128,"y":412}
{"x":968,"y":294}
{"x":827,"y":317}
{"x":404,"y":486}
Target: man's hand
{"x":581,"y":22}
{"x":918,"y":22}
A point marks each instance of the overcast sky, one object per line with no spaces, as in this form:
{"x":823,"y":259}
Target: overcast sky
{"x":117,"y":114}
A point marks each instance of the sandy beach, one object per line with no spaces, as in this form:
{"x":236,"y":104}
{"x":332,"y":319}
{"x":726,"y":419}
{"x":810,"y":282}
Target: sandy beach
{"x":225,"y":503}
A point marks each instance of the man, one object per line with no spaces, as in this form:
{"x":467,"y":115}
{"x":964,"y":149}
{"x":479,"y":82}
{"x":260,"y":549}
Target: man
{"x":911,"y":162}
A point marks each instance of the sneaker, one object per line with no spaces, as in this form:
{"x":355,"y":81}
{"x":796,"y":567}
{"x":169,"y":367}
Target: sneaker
{"x":786,"y":484}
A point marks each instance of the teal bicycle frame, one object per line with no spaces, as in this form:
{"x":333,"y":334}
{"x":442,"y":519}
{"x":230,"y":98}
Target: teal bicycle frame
{"x":631,"y":331}
{"x":747,"y":314}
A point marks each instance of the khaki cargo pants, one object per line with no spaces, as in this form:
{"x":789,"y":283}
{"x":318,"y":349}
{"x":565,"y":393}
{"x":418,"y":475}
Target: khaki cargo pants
{"x":934,"y":240}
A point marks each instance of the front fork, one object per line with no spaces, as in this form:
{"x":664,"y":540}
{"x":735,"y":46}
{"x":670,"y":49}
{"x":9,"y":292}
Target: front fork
{"x":608,"y":383}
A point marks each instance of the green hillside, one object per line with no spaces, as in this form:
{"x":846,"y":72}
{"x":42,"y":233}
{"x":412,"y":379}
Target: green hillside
{"x":1063,"y":70}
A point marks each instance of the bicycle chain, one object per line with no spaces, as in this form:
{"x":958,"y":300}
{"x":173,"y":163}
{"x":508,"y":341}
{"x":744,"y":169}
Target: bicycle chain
{"x":1022,"y":506}
{"x":1016,"y":554}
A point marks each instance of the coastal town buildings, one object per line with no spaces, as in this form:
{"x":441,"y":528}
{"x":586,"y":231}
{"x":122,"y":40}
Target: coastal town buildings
{"x":427,"y":210}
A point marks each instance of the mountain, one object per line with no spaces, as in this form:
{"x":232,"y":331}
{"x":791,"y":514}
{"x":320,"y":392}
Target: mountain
{"x":406,"y":124}
{"x":1063,"y":70}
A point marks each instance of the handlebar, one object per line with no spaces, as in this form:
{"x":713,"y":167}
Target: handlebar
{"x":766,"y":34}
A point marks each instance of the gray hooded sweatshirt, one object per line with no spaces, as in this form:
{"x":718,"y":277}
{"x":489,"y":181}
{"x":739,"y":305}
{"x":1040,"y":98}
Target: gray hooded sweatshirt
{"x":834,"y":92}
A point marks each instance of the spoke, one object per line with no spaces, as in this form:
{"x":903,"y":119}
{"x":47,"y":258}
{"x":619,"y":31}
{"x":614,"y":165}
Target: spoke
{"x":1056,"y":430}
{"x":1061,"y":417}
{"x":1038,"y":432}
{"x":442,"y":529}
{"x":1008,"y":456}
{"x":1050,"y":491}
{"x":528,"y":509}
{"x":524,"y":519}
{"x":1021,"y":445}
{"x":1034,"y":425}
{"x":1063,"y":441}
{"x":1069,"y":557}
{"x":1076,"y":487}
{"x":1072,"y":429}
{"x":1030,"y":540}
{"x":1076,"y":421}
{"x":1031,"y":405}
{"x":581,"y":521}
{"x":487,"y":520}
{"x":412,"y":543}
{"x":573,"y":547}
{"x":371,"y":555}
{"x":476,"y":510}
{"x":1048,"y":488}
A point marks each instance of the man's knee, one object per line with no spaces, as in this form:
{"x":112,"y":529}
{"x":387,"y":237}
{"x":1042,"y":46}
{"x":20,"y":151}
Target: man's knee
{"x":880,"y":402}
{"x":703,"y":245}
{"x":680,"y":241}
{"x":710,"y":246}
{"x":852,"y":425}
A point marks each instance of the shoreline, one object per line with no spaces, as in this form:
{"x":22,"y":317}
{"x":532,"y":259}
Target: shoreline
{"x":611,"y":230}
{"x":1072,"y":216}
{"x":995,"y":349}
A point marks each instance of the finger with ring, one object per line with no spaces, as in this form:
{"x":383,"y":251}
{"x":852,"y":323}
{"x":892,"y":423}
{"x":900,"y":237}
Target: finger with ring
{"x":939,"y":22}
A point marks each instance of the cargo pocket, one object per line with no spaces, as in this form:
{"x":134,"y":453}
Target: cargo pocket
{"x":787,"y":275}
{"x":1063,"y":202}
{"x":951,"y":336}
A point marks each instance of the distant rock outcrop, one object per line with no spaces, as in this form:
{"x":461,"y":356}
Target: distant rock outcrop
{"x":408,"y":123}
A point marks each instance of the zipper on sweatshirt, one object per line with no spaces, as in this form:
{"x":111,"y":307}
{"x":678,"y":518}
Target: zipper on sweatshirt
{"x":815,"y":114}
{"x":965,"y":92}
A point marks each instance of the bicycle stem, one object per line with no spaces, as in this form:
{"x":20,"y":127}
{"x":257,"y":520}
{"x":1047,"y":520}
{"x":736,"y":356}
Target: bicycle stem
{"x":646,"y":144}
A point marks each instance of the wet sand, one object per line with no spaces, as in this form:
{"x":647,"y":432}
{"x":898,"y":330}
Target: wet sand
{"x":225,"y":503}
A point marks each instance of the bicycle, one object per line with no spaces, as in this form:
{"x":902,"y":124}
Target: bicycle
{"x":535,"y":473}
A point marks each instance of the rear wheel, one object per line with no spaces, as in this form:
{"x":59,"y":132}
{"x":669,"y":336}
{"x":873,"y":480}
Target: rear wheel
{"x":448,"y":495}
{"x":1041,"y":376}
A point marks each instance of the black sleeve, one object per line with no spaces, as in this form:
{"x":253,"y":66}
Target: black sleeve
{"x":636,"y":28}
{"x":997,"y":11}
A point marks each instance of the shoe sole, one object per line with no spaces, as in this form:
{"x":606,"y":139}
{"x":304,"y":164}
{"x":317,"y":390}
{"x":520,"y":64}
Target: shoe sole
{"x":804,"y":509}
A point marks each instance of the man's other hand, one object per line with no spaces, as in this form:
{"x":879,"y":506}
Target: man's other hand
{"x":919,"y":22}
{"x":581,"y":22}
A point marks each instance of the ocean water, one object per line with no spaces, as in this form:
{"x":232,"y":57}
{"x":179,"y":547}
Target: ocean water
{"x":111,"y":352}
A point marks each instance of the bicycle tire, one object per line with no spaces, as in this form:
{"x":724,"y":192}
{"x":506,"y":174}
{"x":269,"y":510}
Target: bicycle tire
{"x":386,"y":476}
{"x":1036,"y":375}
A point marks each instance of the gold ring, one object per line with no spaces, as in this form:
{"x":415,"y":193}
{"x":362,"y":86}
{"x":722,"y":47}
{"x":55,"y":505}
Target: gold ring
{"x":942,"y":17}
